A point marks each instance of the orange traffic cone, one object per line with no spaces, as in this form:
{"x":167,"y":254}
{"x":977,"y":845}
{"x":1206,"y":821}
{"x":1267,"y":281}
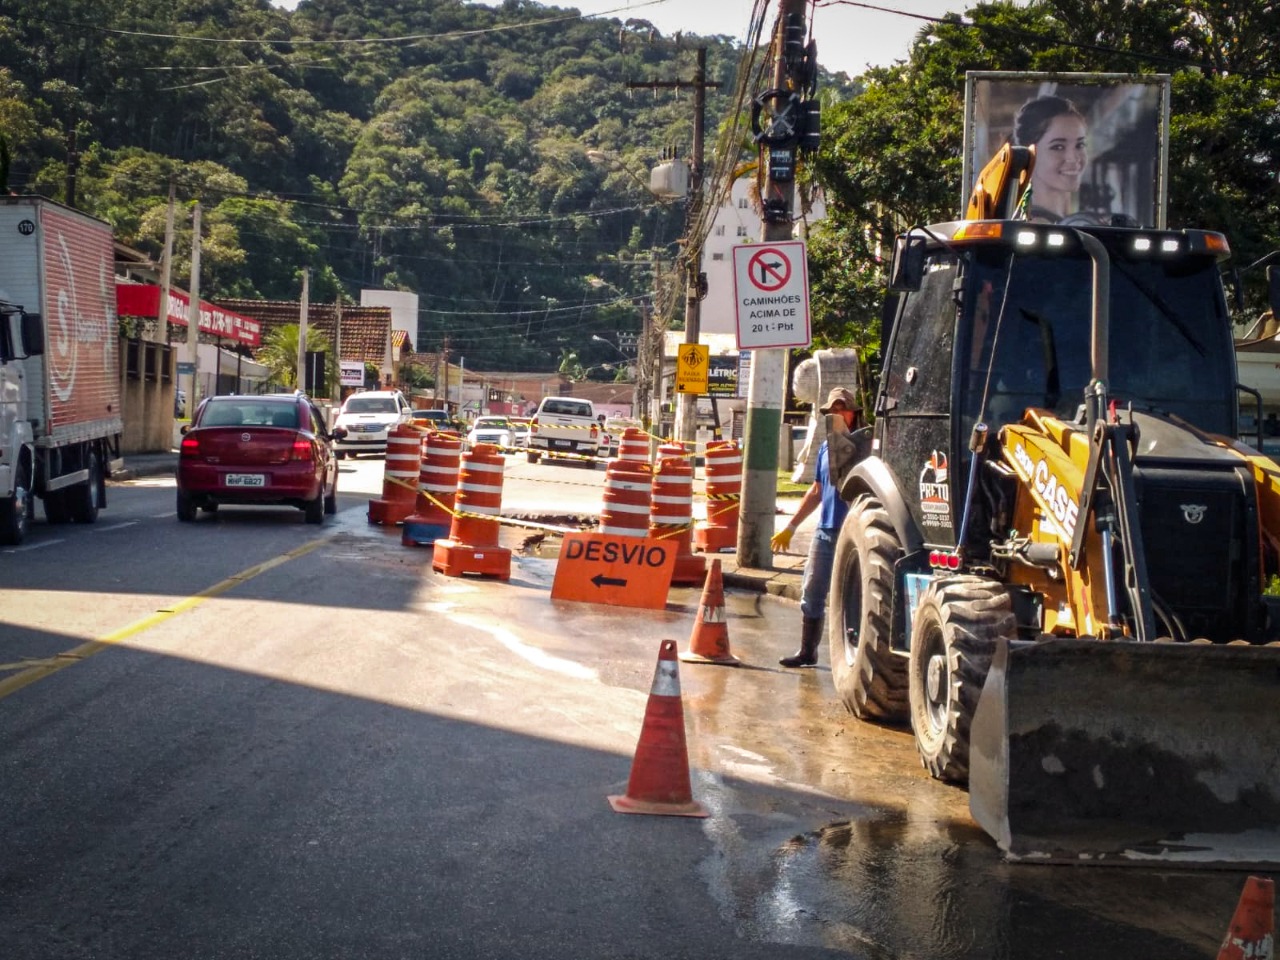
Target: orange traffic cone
{"x":709,"y":642}
{"x":659,"y":782}
{"x":1253,"y":926}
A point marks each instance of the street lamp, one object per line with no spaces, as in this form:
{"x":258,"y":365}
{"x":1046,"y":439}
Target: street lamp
{"x":622,"y":353}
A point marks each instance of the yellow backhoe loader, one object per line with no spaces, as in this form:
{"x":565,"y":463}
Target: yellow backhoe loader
{"x":1055,"y":563}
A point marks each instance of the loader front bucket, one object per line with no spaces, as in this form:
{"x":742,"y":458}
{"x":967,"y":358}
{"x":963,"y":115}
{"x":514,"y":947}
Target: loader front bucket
{"x":1088,"y":751}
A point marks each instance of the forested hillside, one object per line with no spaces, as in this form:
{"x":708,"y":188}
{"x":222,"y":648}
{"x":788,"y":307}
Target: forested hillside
{"x":432,"y":146}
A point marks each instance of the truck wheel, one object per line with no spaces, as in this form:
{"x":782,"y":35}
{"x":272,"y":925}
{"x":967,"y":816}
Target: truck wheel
{"x":531,"y":457}
{"x":953,"y":636}
{"x":55,"y":507}
{"x":82,"y":499}
{"x":16,"y":512}
{"x":186,"y":507}
{"x":870,"y":678}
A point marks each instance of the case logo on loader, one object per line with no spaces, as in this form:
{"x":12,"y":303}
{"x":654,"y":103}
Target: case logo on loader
{"x":1194,"y":512}
{"x":1050,"y":490}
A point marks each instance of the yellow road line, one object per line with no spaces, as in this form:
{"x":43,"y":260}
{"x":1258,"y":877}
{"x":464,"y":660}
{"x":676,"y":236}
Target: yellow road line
{"x":39,"y":669}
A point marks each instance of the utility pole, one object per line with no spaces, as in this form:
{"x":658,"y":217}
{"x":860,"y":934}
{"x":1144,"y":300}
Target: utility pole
{"x":444,"y":362}
{"x":303,"y":310}
{"x":687,"y":404}
{"x":337,"y":346}
{"x":193,"y":312}
{"x":166,"y":271}
{"x":768,"y":366}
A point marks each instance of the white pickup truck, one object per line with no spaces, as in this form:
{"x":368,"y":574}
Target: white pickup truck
{"x":564,"y":425}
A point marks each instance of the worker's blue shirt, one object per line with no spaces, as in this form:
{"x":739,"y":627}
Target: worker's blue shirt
{"x":832,"y":512}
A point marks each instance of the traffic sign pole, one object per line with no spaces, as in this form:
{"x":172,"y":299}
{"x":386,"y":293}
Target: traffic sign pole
{"x":768,"y":366}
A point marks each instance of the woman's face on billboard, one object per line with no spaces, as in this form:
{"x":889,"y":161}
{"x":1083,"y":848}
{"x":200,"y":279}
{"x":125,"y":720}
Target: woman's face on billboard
{"x":1062,"y":154}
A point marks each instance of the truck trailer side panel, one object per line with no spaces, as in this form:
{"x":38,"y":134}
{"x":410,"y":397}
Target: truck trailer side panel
{"x":59,"y":262}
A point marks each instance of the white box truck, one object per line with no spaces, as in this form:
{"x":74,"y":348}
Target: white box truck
{"x":60,"y":420}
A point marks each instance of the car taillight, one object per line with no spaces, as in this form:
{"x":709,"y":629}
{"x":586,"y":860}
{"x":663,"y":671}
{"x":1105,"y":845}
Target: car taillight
{"x":302,"y":449}
{"x":533,"y":426}
{"x":594,"y":432}
{"x":190,"y":447}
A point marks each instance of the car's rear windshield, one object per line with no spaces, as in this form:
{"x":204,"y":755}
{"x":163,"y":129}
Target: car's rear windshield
{"x":370,"y":405}
{"x":567,"y":408}
{"x":492,"y":423}
{"x":249,"y":413}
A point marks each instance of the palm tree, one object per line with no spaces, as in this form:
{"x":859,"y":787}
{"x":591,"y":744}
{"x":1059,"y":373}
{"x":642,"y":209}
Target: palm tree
{"x":279,"y":354}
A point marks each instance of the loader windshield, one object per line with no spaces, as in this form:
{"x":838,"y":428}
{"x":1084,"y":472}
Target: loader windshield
{"x":1030,"y":326}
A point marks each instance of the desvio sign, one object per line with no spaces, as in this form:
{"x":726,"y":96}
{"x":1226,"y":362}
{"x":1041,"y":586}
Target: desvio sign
{"x":621,"y":571}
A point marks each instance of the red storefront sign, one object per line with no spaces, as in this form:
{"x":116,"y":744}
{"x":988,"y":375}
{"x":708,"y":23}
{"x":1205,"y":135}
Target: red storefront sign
{"x":143,"y":300}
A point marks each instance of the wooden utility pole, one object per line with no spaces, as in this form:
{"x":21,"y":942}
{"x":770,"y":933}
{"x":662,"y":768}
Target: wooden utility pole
{"x":768,"y":367}
{"x":686,"y":404}
{"x":303,"y":310}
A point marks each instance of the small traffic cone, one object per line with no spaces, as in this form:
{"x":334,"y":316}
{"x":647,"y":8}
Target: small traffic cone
{"x":659,"y":782}
{"x":1251,"y":935}
{"x":709,"y":642}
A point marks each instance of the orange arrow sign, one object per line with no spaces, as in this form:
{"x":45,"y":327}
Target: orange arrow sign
{"x":622,"y":571}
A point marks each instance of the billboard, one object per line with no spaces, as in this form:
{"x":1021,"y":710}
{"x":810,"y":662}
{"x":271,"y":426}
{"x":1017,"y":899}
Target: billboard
{"x":1101,"y":142}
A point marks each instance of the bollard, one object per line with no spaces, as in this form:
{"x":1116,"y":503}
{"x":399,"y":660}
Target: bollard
{"x":399,"y":475}
{"x":671,"y":513}
{"x":432,"y":518}
{"x":719,"y":532}
{"x":472,"y":546}
{"x":625,"y":512}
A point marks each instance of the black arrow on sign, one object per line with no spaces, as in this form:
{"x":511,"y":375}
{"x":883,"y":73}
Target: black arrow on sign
{"x":600,"y":580}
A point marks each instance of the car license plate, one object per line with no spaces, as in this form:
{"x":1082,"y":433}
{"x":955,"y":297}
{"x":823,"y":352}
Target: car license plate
{"x":246,"y":480}
{"x":562,"y":443}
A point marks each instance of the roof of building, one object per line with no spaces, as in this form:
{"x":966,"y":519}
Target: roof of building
{"x":366,"y":331}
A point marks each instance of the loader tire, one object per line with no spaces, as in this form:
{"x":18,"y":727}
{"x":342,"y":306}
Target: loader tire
{"x":956,"y":626}
{"x":869,"y":677}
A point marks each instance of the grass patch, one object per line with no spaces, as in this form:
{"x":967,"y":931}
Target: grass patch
{"x":786,"y":488}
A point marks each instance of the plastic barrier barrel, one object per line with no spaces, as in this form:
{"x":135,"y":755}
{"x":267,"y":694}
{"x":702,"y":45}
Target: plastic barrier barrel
{"x":634,"y":446}
{"x":432,"y":515}
{"x":399,"y":476}
{"x":472,"y":547}
{"x":671,"y":513}
{"x":719,"y":532}
{"x":627,"y":489}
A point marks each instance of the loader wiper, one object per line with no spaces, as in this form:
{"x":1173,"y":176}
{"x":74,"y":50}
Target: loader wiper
{"x":1154,"y":297}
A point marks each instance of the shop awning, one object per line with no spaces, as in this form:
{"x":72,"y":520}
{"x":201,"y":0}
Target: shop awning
{"x":143,"y":300}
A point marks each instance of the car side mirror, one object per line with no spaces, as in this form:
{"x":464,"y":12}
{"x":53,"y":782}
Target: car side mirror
{"x":32,"y":326}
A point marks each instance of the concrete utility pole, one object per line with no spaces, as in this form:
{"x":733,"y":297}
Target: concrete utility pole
{"x":193,"y":313}
{"x":768,"y":367}
{"x":337,"y":346}
{"x":166,"y":273}
{"x":687,"y":404}
{"x":303,"y":310}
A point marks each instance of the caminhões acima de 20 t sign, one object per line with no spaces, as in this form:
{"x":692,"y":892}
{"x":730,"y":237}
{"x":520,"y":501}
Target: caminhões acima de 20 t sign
{"x":771,"y":295}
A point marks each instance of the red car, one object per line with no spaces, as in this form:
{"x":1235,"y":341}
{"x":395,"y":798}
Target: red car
{"x":258,"y":451}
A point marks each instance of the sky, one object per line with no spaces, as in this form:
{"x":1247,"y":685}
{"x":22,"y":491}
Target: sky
{"x":850,"y":37}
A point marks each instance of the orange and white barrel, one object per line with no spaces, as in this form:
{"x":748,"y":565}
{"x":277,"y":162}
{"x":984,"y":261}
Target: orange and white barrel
{"x":719,"y":532}
{"x":399,"y":475}
{"x":671,"y":513}
{"x":634,"y":445}
{"x":472,"y":546}
{"x":627,"y":491}
{"x":432,"y":514}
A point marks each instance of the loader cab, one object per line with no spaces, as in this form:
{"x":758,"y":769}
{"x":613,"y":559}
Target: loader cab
{"x":991,"y":322}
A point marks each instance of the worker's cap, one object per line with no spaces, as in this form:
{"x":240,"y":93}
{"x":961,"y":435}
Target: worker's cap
{"x":842,"y":394}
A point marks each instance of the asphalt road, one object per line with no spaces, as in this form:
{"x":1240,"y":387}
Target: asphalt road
{"x":250,"y":737}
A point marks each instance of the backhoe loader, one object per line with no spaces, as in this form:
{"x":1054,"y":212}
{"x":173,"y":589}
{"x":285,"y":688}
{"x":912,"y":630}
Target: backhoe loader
{"x":1055,"y":562}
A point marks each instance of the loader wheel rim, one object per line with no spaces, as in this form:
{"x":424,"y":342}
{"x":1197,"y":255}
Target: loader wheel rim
{"x":937,"y":692}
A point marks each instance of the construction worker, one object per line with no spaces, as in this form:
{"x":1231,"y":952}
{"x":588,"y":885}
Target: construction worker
{"x":848,"y":441}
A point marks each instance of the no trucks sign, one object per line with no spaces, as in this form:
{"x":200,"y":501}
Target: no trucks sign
{"x":771,"y":295}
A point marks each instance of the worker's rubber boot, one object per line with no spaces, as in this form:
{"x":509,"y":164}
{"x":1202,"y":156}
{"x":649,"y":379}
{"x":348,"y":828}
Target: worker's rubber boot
{"x":810,"y":637}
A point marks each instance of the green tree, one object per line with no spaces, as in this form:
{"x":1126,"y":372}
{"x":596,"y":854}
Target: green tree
{"x":279,"y":354}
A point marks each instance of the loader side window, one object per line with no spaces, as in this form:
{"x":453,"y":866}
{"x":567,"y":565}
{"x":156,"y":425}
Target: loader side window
{"x":918,"y":379}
